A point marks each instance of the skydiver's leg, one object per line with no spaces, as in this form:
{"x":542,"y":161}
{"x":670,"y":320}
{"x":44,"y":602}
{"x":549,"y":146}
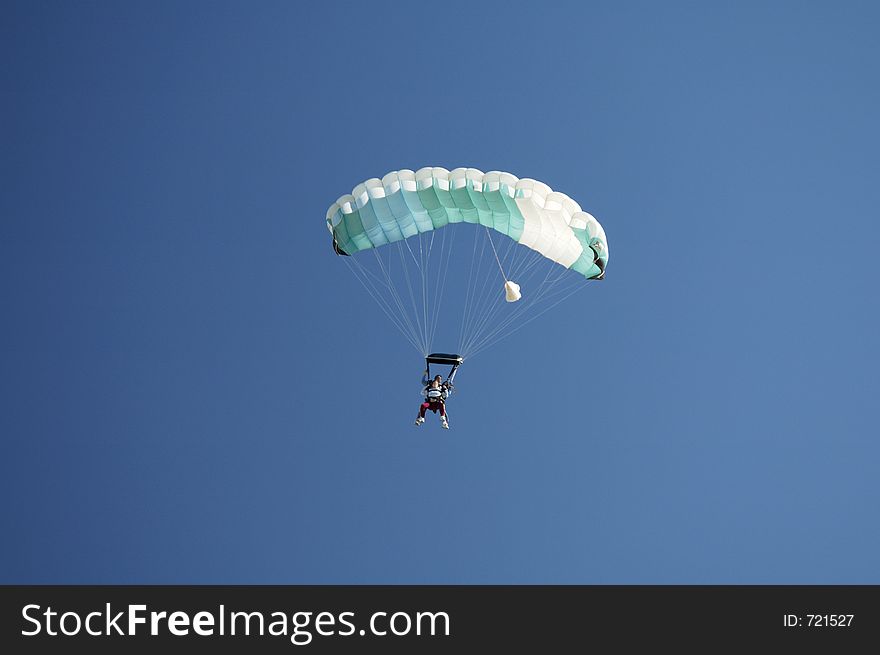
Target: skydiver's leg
{"x":421,"y":417}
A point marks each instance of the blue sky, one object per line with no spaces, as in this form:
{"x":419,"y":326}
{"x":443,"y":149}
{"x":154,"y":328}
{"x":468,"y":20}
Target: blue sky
{"x":195,"y":390}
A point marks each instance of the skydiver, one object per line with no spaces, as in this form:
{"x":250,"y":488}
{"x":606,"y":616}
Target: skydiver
{"x":435,"y":392}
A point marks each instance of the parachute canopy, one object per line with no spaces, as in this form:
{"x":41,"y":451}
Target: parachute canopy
{"x":403,"y":204}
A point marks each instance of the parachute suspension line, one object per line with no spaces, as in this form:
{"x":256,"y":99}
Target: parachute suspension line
{"x":490,"y":301}
{"x":432,"y":306}
{"x":412,"y":298}
{"x":427,"y":317}
{"x":412,"y":318}
{"x":440,"y":287}
{"x":424,"y":262}
{"x":426,"y":267}
{"x":533,"y":298}
{"x":361,"y":274}
{"x":558,"y":295}
{"x":478,"y":288}
{"x":396,"y":296}
{"x":489,"y":235}
{"x":411,"y":254}
{"x":464,"y":313}
{"x":510,"y":257}
{"x":530,"y":261}
{"x":401,"y":313}
{"x":468,"y":291}
{"x":431,"y":244}
{"x":419,"y":264}
{"x":543,"y":311}
{"x":540,"y":295}
{"x":487,"y":295}
{"x":423,"y":271}
{"x":528,"y":264}
{"x":486,"y":318}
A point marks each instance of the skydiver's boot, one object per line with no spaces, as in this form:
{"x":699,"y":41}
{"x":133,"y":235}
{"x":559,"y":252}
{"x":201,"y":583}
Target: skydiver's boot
{"x":419,"y":421}
{"x":444,"y":423}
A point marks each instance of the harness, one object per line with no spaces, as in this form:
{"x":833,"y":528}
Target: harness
{"x":434,"y":395}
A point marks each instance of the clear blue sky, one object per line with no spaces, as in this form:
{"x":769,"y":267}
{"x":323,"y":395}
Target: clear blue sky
{"x":181,"y":352}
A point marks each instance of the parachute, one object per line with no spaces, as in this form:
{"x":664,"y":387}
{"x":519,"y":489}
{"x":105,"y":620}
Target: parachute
{"x":486,"y":252}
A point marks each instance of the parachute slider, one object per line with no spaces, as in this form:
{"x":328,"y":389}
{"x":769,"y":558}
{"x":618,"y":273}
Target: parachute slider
{"x":443,"y":358}
{"x":511,"y":291}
